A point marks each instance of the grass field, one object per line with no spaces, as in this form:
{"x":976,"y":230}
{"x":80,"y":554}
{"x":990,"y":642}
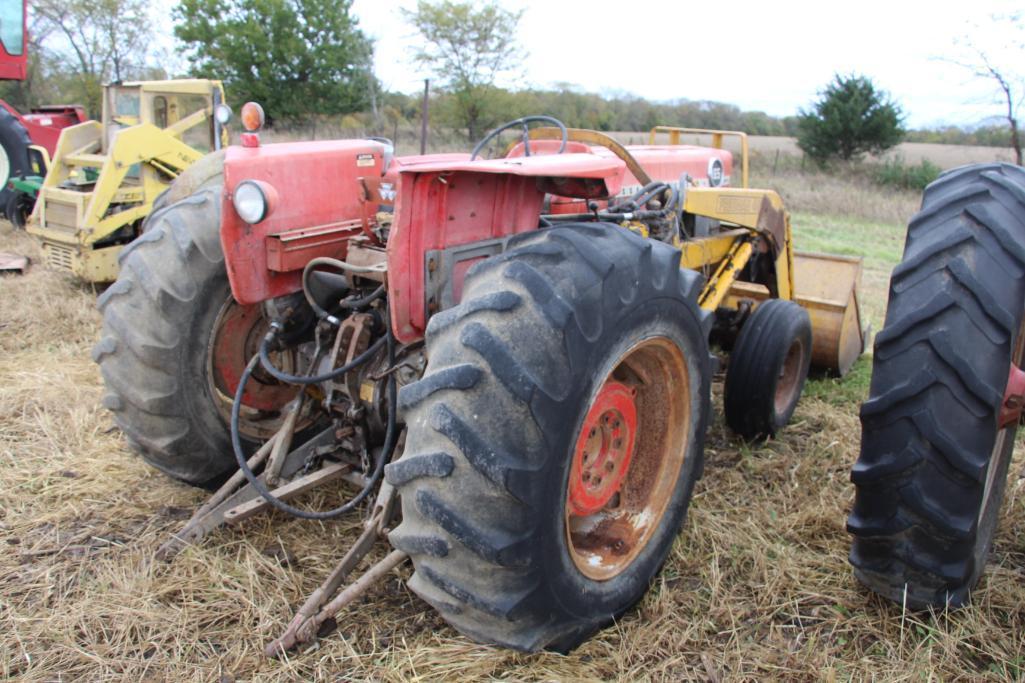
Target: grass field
{"x":757,"y":586}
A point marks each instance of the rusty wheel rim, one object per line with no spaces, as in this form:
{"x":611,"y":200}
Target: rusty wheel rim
{"x":789,"y":377}
{"x":238,"y":331}
{"x":627,"y":458}
{"x":1002,"y":450}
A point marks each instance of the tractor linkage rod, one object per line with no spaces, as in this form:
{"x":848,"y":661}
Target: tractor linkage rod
{"x":237,"y":500}
{"x":308,"y":622}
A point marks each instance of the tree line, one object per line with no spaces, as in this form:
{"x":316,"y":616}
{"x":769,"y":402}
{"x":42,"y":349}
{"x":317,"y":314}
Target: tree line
{"x":306,"y":59}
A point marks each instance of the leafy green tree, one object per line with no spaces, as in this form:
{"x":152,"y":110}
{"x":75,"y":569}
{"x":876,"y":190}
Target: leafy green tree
{"x":296,"y":57}
{"x":850,"y":118}
{"x":468,"y":45}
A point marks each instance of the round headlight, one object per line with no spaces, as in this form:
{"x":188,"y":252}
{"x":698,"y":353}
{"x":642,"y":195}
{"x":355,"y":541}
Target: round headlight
{"x":250,"y":202}
{"x":222,"y":113}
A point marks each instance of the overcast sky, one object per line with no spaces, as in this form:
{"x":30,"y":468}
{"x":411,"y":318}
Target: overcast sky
{"x":768,"y":56}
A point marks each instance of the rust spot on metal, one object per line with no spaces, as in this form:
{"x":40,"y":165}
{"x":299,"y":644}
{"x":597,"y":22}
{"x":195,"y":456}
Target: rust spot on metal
{"x":773,"y":222}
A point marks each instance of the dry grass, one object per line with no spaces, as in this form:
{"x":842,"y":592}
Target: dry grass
{"x":407,"y":141}
{"x":757,"y":586}
{"x":944,"y":156}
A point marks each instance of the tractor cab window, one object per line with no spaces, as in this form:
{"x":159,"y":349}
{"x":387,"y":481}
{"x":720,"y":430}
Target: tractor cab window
{"x":160,"y":111}
{"x":122,"y":111}
{"x":200,"y":135}
{"x":126,"y":104}
{"x":12,"y":27}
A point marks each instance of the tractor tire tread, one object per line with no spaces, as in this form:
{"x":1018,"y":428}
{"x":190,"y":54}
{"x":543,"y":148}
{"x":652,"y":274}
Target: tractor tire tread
{"x":939,"y":371}
{"x":469,"y":489}
{"x":146,"y":317}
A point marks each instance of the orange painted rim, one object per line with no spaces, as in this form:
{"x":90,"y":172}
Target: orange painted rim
{"x":627,"y":458}
{"x":238,"y":331}
{"x":789,"y":381}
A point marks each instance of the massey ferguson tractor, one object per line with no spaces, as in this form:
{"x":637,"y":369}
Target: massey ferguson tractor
{"x":505,"y":361}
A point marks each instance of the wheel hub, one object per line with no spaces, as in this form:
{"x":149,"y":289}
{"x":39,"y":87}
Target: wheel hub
{"x":1014,"y":398}
{"x":604,"y":448}
{"x":238,"y":331}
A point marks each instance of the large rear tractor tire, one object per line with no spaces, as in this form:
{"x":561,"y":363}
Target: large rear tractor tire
{"x":14,"y":154}
{"x":555,"y":437}
{"x":174,"y":341}
{"x":934,"y":460}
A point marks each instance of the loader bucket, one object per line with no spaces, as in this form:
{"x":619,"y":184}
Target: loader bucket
{"x":826,"y":286}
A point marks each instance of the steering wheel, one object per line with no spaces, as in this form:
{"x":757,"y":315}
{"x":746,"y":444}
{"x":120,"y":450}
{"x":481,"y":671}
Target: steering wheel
{"x":525,"y":121}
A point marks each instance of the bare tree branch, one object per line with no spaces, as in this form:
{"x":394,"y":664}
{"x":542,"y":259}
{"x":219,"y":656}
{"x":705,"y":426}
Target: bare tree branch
{"x":1009,"y":83}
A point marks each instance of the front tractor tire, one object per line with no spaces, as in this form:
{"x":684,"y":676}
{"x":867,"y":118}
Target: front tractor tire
{"x":930,"y":477}
{"x":767,"y":369}
{"x":174,"y":341}
{"x":556,"y":436}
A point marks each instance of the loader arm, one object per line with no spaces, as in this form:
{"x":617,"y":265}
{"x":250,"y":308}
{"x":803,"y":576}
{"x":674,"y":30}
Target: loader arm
{"x":824,"y":285}
{"x":78,"y":223}
{"x":762,"y":216}
{"x":142,"y":144}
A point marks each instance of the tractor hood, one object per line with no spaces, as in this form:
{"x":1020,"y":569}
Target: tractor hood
{"x":592,"y":175}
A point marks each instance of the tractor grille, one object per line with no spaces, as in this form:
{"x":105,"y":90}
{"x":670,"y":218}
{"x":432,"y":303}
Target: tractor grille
{"x":59,"y":256}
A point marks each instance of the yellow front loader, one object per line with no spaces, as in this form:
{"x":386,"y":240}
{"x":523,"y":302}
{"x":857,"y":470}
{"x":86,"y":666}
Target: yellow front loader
{"x":105,"y":175}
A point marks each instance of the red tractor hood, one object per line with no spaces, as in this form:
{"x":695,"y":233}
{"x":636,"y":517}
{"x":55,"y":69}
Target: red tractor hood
{"x":608,"y":169}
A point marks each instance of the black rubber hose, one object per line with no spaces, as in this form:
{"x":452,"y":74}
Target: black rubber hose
{"x":356,"y":304}
{"x":609,"y":216}
{"x":328,"y":263}
{"x":375,"y":477}
{"x":635,"y":199}
{"x":282,"y":376}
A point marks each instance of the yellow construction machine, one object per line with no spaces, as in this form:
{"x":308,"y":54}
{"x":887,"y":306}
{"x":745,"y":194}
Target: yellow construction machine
{"x":106,"y":175}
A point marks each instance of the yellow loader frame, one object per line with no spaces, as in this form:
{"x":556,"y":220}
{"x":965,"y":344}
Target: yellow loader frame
{"x":105,"y":175}
{"x":754,"y":221}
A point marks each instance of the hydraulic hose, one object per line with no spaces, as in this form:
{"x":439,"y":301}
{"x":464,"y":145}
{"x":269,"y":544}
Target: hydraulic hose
{"x":265,"y":361}
{"x":386,"y":452}
{"x":337,"y":265}
{"x":356,"y":304}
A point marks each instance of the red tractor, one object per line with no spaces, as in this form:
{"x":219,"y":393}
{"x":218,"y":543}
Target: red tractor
{"x":510,"y":357}
{"x":27,"y":141}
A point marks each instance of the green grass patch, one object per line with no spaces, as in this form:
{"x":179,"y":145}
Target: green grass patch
{"x":903,"y":176}
{"x":880,"y":244}
{"x":847,"y":392}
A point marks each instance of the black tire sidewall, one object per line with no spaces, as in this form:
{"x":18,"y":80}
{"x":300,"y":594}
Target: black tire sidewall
{"x":14,"y":140}
{"x":194,"y":359}
{"x":574,"y":592}
{"x":797,"y":326}
{"x":752,"y":376}
{"x":16,"y":209}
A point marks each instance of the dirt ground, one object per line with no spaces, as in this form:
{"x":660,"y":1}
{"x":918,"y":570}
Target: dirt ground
{"x":757,"y":585}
